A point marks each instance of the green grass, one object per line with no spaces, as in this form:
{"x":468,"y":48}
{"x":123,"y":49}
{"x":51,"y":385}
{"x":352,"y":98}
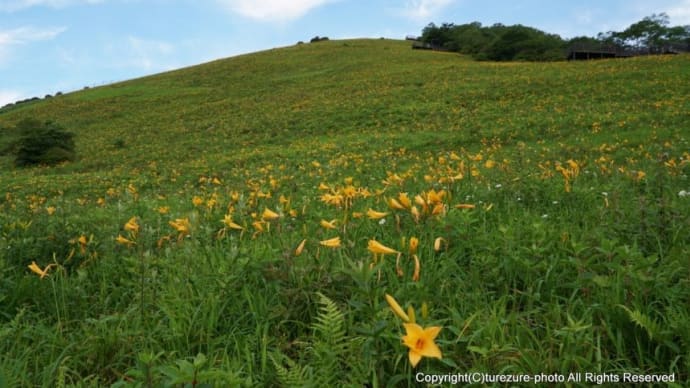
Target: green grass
{"x":575,"y":257}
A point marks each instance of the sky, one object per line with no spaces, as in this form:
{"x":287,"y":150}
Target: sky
{"x":50,"y":46}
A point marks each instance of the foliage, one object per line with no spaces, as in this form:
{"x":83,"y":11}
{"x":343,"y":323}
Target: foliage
{"x":43,"y":143}
{"x":652,"y":33}
{"x":331,"y":357}
{"x":496,"y":43}
{"x":508,"y":43}
{"x":548,"y":204}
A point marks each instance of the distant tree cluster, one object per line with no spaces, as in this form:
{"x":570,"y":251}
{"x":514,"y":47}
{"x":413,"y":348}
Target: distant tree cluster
{"x":25,"y":101}
{"x":495,"y":43}
{"x":508,"y":43}
{"x":318,"y":39}
{"x":652,"y":33}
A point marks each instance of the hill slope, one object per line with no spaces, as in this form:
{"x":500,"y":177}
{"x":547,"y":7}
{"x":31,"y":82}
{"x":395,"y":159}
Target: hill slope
{"x":241,"y":222}
{"x":206,"y":115}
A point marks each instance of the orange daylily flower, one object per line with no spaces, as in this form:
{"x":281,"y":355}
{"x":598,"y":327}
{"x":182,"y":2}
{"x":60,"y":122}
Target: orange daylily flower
{"x":132,"y":226}
{"x":374,"y":215}
{"x":38,"y":271}
{"x":328,"y":224}
{"x":269,"y":215}
{"x":331,"y":243}
{"x":378,"y":248}
{"x":421,"y":342}
{"x":395,"y":307}
{"x":227,"y":220}
{"x":414,"y":243}
{"x":124,"y":241}
{"x":300,"y":247}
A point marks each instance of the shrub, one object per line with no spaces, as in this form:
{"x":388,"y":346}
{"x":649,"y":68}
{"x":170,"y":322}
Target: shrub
{"x":318,"y":39}
{"x":43,"y":143}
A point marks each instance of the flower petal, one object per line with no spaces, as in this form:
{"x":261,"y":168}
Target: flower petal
{"x":414,"y":358}
{"x":432,"y":332}
{"x":430,"y":349}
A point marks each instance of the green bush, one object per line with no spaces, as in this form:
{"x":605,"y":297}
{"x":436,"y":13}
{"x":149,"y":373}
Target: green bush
{"x":43,"y":143}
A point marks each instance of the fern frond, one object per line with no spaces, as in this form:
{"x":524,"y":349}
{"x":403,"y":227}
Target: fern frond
{"x":293,"y":375}
{"x":329,"y":326}
{"x":331,"y":353}
{"x":652,"y":327}
{"x":329,"y":346}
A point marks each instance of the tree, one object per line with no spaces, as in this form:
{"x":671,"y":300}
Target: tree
{"x":43,"y":143}
{"x":651,"y":33}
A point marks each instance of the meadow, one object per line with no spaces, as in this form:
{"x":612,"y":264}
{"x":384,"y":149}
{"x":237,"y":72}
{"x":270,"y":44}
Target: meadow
{"x":241,"y":223}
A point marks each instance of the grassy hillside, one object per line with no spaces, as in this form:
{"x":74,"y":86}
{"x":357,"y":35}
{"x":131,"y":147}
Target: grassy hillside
{"x":194,"y":237}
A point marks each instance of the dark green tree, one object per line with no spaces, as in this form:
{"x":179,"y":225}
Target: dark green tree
{"x":652,"y":33}
{"x":498,"y":42}
{"x":43,"y":143}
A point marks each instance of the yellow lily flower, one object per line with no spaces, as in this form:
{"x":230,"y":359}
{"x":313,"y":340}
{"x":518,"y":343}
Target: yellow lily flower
{"x":439,"y":208}
{"x":331,"y":243}
{"x":258,"y":225}
{"x":374,"y":215}
{"x":328,"y":224}
{"x":415,"y":213}
{"x":417,"y":268}
{"x":182,"y":226}
{"x":227,"y":220}
{"x":394,"y":204}
{"x":438,"y":242}
{"x":283,"y":200}
{"x":300,"y":247}
{"x":404,"y":200}
{"x":132,"y":225}
{"x":395,"y":307}
{"x":378,"y":248}
{"x":414,"y":243}
{"x":421,"y":342}
{"x":411,"y":314}
{"x":269,"y":215}
{"x":124,"y":241}
{"x":38,"y":271}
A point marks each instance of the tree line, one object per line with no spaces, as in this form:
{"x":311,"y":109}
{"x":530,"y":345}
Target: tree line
{"x":498,"y":42}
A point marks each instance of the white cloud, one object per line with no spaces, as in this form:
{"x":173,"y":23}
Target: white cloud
{"x":23,"y":35}
{"x":680,"y":14}
{"x":424,"y":10}
{"x":16,"y":5}
{"x":144,"y":54}
{"x":8,"y":96}
{"x":272,"y":10}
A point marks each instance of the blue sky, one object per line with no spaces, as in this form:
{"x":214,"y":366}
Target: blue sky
{"x":48,"y":46}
